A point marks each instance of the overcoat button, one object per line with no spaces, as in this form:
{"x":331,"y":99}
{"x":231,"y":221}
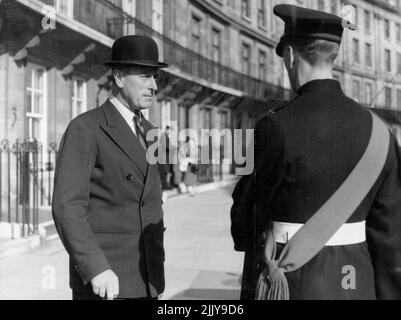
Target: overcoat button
{"x":130,"y":177}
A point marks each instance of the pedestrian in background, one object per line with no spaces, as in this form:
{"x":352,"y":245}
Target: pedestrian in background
{"x":188,"y":165}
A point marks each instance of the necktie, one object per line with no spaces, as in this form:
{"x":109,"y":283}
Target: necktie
{"x":140,"y":130}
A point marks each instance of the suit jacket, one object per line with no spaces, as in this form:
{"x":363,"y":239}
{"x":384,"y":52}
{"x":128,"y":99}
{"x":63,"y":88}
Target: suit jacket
{"x":107,"y":204}
{"x":303,"y":154}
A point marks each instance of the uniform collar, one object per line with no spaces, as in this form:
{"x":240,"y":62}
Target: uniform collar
{"x":319,"y":85}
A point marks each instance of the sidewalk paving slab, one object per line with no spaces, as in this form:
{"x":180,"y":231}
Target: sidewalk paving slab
{"x":201,"y":263}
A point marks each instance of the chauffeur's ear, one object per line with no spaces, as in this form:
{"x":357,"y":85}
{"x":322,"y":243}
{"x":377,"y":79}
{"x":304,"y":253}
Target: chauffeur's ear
{"x":289,"y":57}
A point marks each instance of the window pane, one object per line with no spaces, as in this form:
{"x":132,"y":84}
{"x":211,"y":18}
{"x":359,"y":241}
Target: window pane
{"x":367,"y":20}
{"x":356,"y":50}
{"x":29,"y":108}
{"x":388,"y":98}
{"x":39,"y":79}
{"x":35,"y":129}
{"x":333,"y":8}
{"x":80,"y":90}
{"x":387,"y":56}
{"x":245,"y":8}
{"x":38,"y":104}
{"x":368,"y":55}
{"x":245,"y":59}
{"x":79,"y":107}
{"x":368,"y":93}
{"x":387,"y":28}
{"x":356,"y":89}
{"x":399,"y":99}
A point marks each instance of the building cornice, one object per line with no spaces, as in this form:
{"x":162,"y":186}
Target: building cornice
{"x":383,"y":5}
{"x":214,"y":11}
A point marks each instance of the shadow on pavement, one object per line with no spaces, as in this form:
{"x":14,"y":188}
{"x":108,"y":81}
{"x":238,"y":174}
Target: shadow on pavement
{"x":207,"y":294}
{"x":212,"y":285}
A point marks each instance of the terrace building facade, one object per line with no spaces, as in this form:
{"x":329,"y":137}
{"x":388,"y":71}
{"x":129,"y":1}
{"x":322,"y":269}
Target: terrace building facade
{"x":222,"y":71}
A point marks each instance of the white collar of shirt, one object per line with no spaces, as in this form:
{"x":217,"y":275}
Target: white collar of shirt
{"x":126,"y":113}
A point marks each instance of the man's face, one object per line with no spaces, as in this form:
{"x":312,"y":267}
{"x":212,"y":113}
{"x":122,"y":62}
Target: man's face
{"x":138,"y":86}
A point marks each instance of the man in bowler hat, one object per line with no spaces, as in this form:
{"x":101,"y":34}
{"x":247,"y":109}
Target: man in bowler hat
{"x":107,"y":202}
{"x":304,"y":151}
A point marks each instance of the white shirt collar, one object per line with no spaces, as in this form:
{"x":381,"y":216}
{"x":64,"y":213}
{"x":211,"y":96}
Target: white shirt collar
{"x":126,"y":113}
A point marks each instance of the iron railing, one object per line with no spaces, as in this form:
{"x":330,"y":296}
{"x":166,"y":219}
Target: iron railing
{"x":26,"y":182}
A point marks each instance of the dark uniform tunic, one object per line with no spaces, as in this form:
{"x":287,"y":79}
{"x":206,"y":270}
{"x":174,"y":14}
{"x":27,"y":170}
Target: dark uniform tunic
{"x":303,"y":153}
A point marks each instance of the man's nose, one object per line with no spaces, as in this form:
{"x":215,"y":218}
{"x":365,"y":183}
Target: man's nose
{"x":153,"y":84}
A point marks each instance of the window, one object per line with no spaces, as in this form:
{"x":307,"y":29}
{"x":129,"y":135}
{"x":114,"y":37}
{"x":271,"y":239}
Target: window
{"x":246,"y":59}
{"x":245,"y":9}
{"x":369,"y":94}
{"x":157,"y":15}
{"x":165,"y":114}
{"x":66,"y":8}
{"x":231,"y":3}
{"x":356,"y":90}
{"x":129,"y":7}
{"x":320,"y":5}
{"x":398,"y":31}
{"x":36,"y":105}
{"x":262,"y":13}
{"x":63,"y":7}
{"x":207,"y":118}
{"x":262,"y":65}
{"x":387,"y":29}
{"x":333,"y":7}
{"x":387,"y":60}
{"x":367,"y":21}
{"x":79,"y":103}
{"x":224,"y":123}
{"x":368,"y":55}
{"x":399,"y":99}
{"x":195,"y":34}
{"x":216,"y":47}
{"x":388,"y":93}
{"x":356,"y":50}
{"x":399,"y":63}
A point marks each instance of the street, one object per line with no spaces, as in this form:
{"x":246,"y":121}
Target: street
{"x":200,"y":260}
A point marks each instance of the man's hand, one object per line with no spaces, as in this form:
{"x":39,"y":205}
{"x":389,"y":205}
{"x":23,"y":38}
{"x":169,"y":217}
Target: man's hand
{"x":106,"y":285}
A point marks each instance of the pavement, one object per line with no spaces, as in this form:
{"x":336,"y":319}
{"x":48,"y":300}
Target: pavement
{"x":200,"y":261}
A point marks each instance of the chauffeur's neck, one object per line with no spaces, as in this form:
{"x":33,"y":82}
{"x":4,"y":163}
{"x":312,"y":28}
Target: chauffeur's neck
{"x":307,"y":73}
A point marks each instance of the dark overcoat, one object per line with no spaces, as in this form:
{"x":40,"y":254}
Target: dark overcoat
{"x":107,"y":204}
{"x":304,"y":152}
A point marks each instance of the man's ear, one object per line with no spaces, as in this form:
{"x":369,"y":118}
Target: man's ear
{"x":289,"y":57}
{"x":118,"y":77}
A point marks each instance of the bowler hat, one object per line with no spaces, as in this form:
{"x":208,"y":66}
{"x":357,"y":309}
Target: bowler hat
{"x":135,"y":51}
{"x":304,"y":23}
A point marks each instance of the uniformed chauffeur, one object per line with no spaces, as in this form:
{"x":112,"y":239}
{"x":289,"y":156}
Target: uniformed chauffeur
{"x":304,"y":151}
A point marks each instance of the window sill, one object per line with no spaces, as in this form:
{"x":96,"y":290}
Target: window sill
{"x":263,"y":28}
{"x":247,"y":19}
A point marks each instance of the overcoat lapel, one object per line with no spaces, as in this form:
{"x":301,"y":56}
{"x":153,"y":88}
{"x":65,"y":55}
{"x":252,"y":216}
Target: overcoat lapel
{"x":121,"y":134}
{"x":153,"y":171}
